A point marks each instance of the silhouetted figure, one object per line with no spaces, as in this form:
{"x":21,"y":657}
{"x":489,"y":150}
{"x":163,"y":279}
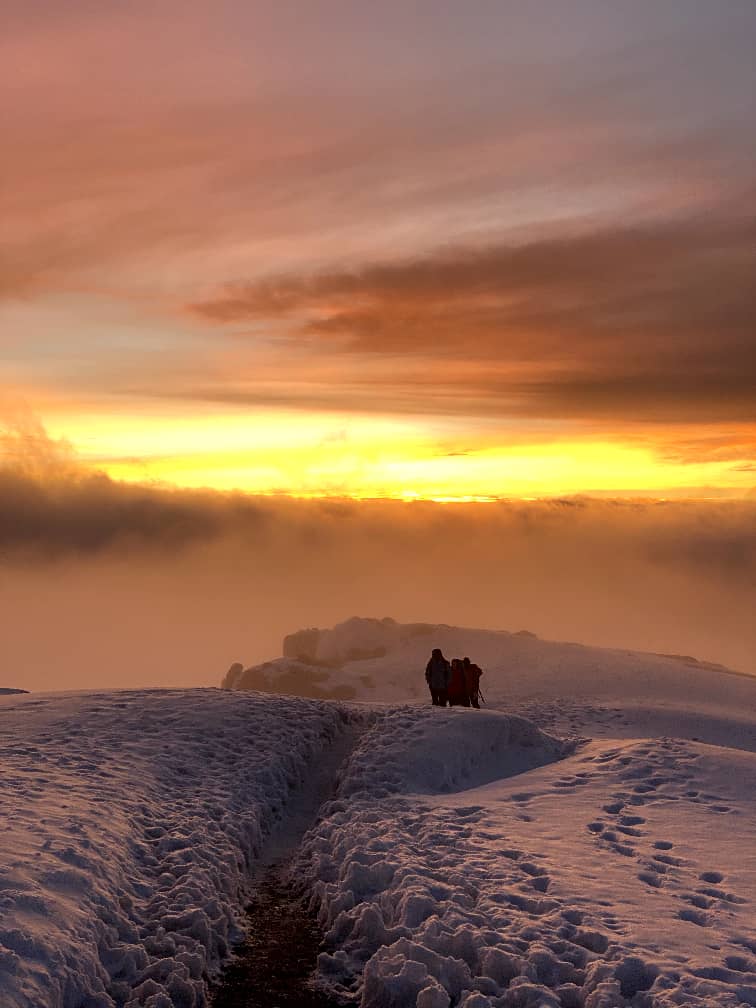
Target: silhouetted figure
{"x":437,"y":676}
{"x":472,"y":673}
{"x":458,"y":696}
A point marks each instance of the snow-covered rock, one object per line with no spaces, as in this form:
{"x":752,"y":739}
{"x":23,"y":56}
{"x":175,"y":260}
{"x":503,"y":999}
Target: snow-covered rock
{"x":289,"y":676}
{"x":355,"y":639}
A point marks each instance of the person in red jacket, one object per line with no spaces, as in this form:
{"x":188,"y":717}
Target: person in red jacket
{"x":472,"y":674}
{"x":457,"y":692}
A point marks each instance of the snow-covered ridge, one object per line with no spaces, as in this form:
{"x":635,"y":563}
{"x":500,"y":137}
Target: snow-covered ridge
{"x":355,"y":639}
{"x":131,"y":821}
{"x":380,"y":659}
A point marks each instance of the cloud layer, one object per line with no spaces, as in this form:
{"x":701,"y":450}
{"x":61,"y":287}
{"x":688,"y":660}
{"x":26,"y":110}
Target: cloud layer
{"x":103,"y":584}
{"x":656,"y":320}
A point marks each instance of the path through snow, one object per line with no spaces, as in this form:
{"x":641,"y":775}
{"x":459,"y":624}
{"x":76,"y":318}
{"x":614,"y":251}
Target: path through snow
{"x":275,"y":963}
{"x":129,"y":825}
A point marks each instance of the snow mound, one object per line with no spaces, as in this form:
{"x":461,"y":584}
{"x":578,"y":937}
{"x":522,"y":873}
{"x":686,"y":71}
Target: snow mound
{"x":131,"y":821}
{"x":437,"y":751}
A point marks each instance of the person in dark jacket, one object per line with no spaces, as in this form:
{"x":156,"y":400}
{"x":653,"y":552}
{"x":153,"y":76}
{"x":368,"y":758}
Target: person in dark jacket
{"x":437,"y":674}
{"x":472,"y":673}
{"x":458,"y":696}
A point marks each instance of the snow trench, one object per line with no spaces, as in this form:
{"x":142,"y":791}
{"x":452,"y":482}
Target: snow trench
{"x":275,"y":962}
{"x":132,"y":824}
{"x":467,"y":860}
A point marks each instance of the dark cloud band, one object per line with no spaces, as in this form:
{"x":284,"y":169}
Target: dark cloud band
{"x":654,"y":322}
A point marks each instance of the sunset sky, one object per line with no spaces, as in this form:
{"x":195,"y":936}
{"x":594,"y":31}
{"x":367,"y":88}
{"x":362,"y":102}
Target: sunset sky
{"x":407,"y":249}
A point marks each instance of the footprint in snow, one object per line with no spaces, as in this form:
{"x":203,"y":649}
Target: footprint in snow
{"x":623,"y":848}
{"x":668,"y":859}
{"x":632,"y":820}
{"x":721,"y":895}
{"x":702,"y":902}
{"x":541,"y":882}
{"x":740,"y":964}
{"x":630,"y":831}
{"x":711,"y":876}
{"x":695,"y":917}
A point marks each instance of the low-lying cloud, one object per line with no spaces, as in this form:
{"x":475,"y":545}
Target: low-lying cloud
{"x":113,"y":585}
{"x":52,"y":506}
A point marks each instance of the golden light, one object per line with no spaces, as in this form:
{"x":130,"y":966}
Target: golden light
{"x":334,"y":454}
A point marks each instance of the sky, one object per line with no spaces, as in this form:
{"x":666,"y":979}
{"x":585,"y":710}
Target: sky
{"x":408,"y":250}
{"x":434,"y":310}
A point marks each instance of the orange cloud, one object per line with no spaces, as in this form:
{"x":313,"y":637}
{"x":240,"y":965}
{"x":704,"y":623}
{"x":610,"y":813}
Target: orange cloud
{"x":656,"y":321}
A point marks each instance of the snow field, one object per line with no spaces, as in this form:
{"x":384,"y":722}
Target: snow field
{"x":130,"y":823}
{"x":471,"y":858}
{"x":623,"y":874}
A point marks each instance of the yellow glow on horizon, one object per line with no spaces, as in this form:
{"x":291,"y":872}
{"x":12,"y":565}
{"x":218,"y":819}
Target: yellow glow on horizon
{"x":364,"y":456}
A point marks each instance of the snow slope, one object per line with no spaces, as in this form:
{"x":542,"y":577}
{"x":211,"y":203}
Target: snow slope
{"x":623,"y":873}
{"x":588,"y":840}
{"x":130,"y":822}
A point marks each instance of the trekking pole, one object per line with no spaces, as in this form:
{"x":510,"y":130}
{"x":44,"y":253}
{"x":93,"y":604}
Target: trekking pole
{"x":480,"y":694}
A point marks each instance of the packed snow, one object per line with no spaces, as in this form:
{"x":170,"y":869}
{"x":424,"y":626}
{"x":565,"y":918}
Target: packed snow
{"x":131,"y":822}
{"x":623,"y":873}
{"x":587,"y":840}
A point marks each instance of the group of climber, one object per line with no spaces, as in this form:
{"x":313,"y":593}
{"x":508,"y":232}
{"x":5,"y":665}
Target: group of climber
{"x":456,"y":682}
